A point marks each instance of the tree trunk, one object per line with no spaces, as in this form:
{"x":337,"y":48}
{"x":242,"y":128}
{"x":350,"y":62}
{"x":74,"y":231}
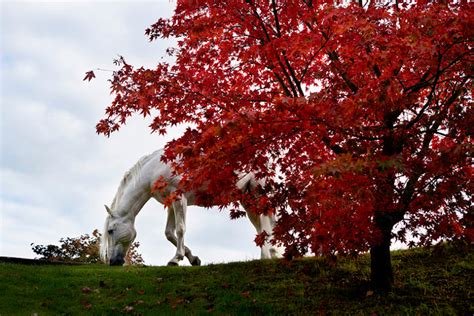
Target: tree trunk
{"x":381,"y":273}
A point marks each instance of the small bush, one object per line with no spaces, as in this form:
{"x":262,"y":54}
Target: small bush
{"x":82,"y":249}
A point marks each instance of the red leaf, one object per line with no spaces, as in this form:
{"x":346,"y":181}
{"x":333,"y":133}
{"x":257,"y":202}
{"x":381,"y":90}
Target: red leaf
{"x":159,"y":185}
{"x":86,"y":304}
{"x":89,"y":76}
{"x":261,"y":238}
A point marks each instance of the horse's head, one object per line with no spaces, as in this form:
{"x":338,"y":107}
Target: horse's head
{"x":119,"y":233}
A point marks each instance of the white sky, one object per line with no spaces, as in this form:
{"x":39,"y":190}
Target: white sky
{"x":56,"y":172}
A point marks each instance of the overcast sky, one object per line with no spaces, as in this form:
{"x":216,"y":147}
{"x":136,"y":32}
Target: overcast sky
{"x":56,"y":172}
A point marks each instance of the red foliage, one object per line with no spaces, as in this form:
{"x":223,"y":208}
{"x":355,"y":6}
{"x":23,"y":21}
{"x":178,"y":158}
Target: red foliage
{"x":360,"y":117}
{"x":261,"y":238}
{"x":89,"y":76}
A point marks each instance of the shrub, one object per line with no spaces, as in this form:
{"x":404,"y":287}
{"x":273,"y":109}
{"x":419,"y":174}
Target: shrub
{"x":82,"y":249}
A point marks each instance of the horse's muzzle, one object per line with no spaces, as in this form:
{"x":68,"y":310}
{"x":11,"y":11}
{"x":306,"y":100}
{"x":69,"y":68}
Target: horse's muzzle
{"x":117,"y":261}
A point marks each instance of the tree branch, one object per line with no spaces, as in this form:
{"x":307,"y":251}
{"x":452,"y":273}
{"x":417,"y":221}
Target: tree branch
{"x":267,"y":35}
{"x":430,"y":96}
{"x":333,"y":56}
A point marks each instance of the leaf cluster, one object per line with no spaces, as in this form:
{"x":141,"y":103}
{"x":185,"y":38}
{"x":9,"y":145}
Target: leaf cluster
{"x":82,"y":249}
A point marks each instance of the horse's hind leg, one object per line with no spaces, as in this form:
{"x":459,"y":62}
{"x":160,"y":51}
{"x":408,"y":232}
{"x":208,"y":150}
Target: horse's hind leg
{"x":257,"y":222}
{"x":170,"y":235}
{"x":267,"y":223}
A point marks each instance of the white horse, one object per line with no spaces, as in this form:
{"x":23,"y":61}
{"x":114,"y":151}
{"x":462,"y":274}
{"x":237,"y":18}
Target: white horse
{"x":135,"y":190}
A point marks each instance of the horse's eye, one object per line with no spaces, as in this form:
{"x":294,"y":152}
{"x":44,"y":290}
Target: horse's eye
{"x":110,"y":231}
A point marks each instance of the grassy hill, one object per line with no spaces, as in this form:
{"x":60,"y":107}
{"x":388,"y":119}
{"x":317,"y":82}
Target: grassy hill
{"x":428,"y":281}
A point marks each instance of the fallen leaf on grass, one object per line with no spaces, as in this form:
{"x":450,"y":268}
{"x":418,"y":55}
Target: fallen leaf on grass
{"x":86,"y":290}
{"x":86,"y":304}
{"x":137,"y":302}
{"x":128,"y":309}
{"x":141,"y":292}
{"x":245,"y":294}
{"x":177,"y":302}
{"x":369,"y":293}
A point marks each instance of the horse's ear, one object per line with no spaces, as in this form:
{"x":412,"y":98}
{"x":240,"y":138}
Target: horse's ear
{"x":108,"y":210}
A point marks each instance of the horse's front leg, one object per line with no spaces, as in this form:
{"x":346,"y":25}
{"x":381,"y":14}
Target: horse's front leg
{"x":171,"y":236}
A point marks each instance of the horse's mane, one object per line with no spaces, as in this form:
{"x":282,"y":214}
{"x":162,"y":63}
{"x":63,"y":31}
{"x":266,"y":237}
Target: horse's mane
{"x":104,"y":245}
{"x":133,"y":176}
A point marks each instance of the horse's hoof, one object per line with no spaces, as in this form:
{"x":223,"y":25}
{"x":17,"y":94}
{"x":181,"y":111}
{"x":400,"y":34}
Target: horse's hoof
{"x":172,"y":264}
{"x":196,"y":261}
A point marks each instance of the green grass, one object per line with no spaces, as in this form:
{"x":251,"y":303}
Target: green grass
{"x":428,"y":281}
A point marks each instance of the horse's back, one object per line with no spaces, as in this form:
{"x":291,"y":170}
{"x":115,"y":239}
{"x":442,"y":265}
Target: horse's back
{"x":157,"y":170}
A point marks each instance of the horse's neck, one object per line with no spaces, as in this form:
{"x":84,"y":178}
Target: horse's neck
{"x":132,"y":201}
{"x":135,"y":190}
{"x":129,"y":202}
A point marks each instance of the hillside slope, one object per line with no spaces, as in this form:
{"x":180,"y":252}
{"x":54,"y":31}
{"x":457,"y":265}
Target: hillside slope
{"x":428,"y":281}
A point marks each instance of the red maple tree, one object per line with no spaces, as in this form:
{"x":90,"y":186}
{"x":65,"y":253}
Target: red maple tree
{"x":359,"y":114}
